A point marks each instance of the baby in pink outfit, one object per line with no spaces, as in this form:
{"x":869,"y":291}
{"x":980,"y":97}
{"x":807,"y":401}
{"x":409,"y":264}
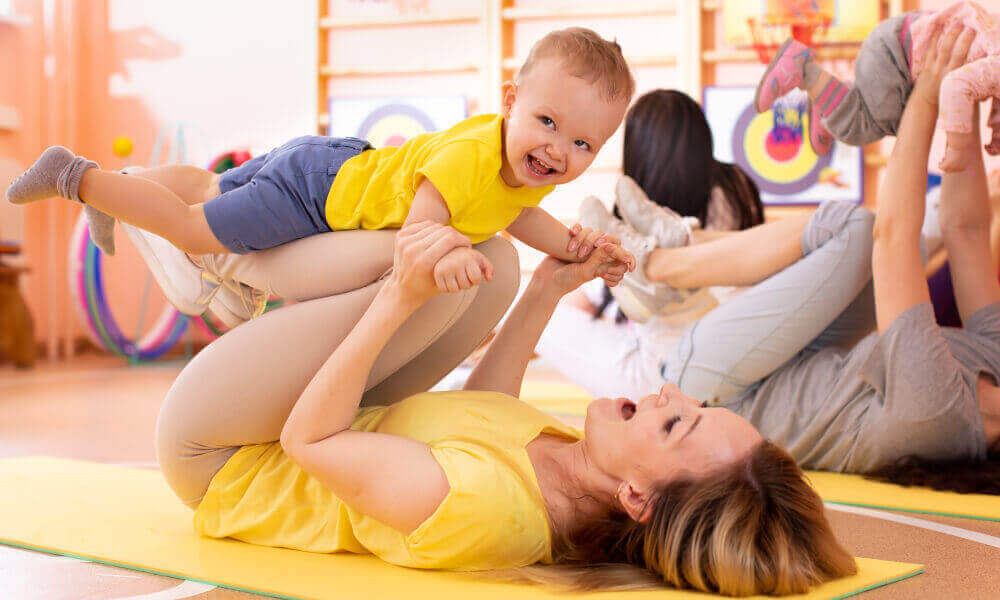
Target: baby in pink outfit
{"x":885,"y":70}
{"x":966,"y":86}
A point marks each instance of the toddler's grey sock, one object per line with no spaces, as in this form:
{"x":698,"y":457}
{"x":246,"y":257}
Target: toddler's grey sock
{"x":102,"y":229}
{"x":57,"y":172}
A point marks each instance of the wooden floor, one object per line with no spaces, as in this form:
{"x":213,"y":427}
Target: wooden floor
{"x":101,"y":411}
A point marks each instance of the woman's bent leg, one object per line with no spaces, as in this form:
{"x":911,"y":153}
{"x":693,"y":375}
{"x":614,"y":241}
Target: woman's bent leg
{"x":746,"y":339}
{"x":311,"y":267}
{"x":461,"y":339}
{"x":240,"y":389}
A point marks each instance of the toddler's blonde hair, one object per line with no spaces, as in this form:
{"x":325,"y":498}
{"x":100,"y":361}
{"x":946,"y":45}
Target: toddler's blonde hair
{"x":588,"y":56}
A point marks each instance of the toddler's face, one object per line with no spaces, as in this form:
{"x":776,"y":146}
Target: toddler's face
{"x":555,"y":125}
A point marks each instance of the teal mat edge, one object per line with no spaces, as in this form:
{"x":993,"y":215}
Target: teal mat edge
{"x":914,"y":510}
{"x":283,"y":597}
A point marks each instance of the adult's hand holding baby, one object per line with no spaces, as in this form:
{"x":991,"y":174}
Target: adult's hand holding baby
{"x":420,"y":246}
{"x":560,"y":278}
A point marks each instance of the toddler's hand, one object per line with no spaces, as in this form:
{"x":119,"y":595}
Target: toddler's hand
{"x":461,"y":269}
{"x":584,"y":240}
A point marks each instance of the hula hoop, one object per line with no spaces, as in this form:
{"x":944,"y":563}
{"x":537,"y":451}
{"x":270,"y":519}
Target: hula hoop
{"x":87,"y":285}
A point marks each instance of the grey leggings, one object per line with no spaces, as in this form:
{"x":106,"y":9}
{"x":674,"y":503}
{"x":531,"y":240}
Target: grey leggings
{"x":826,"y":298}
{"x":240,"y":389}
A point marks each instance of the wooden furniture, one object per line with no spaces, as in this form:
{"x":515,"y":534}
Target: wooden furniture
{"x":17,"y":331}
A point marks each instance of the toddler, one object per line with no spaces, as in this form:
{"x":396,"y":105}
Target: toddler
{"x":884,"y":74}
{"x":484,"y":175}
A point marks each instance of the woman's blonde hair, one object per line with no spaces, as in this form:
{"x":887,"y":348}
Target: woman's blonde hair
{"x":754,"y":527}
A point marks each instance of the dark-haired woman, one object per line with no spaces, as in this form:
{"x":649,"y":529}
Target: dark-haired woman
{"x":667,"y":157}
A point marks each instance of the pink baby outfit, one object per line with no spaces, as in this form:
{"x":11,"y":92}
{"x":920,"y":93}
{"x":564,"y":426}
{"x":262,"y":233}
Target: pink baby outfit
{"x":979,"y":78}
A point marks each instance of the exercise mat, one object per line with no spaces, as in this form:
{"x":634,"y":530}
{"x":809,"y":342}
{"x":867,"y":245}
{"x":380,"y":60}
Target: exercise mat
{"x":129,"y":518}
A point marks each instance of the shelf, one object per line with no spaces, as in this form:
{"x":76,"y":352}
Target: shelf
{"x":665,"y":60}
{"x":395,"y":21}
{"x":529,"y":14}
{"x":388,"y":71}
{"x":747,"y":56}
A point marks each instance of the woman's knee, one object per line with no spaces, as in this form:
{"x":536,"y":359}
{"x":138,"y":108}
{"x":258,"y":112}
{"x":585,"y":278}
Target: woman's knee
{"x":835,"y":219}
{"x":506,"y":267}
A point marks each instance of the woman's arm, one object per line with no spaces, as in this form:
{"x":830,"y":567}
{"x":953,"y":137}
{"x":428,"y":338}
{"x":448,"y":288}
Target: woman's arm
{"x":965,"y":217}
{"x":370,"y":471}
{"x":897,"y":266}
{"x":502,"y":367}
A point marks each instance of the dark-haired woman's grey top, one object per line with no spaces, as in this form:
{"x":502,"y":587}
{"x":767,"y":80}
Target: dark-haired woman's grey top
{"x":909,"y":391}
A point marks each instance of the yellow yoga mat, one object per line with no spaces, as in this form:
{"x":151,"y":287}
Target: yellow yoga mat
{"x":129,"y":518}
{"x":568,"y":399}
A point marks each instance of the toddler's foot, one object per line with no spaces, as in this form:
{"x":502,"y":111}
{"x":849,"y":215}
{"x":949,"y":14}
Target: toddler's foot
{"x":639,"y":298}
{"x":784,"y":74}
{"x":956,"y":155}
{"x":668,"y":228}
{"x":57,"y":172}
{"x":820,"y":137}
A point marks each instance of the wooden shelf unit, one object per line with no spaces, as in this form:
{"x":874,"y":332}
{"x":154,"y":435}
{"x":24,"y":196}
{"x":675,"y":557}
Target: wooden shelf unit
{"x":697,"y":58}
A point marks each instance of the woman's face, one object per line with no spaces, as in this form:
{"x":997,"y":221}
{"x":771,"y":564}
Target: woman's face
{"x":663,"y":437}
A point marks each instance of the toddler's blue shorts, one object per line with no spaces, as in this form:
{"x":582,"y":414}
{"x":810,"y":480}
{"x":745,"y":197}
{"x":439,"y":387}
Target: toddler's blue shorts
{"x":280,"y":196}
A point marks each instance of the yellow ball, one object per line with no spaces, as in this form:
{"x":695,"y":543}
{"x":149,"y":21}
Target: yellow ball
{"x":122,"y":146}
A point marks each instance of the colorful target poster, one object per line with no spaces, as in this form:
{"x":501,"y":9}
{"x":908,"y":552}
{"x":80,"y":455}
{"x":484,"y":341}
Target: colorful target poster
{"x":391,"y":120}
{"x":773,"y":148}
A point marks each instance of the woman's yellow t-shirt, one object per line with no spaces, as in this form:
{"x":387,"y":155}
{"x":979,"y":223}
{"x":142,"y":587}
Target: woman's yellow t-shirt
{"x":374,"y":190}
{"x":492,"y":518}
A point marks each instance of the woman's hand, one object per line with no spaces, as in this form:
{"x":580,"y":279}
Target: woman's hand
{"x":419,"y":247}
{"x":560,"y":278}
{"x":946,"y":52}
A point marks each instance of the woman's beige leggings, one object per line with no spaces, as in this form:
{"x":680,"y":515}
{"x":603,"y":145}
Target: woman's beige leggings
{"x":240,"y":389}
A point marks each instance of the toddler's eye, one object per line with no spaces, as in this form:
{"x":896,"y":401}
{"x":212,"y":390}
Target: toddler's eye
{"x":547,"y":122}
{"x":582,"y":144}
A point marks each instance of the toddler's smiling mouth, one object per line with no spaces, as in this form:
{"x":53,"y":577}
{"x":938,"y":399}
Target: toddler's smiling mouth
{"x":537,"y":167}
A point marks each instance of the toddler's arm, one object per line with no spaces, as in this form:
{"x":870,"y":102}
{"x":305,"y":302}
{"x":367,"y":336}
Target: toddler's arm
{"x":428,"y":205}
{"x":542,"y":231}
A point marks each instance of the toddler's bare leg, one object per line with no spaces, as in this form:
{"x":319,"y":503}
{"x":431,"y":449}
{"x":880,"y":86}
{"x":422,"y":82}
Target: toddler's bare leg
{"x":151,"y":206}
{"x":192,"y":184}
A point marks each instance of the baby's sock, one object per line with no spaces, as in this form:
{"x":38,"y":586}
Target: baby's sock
{"x":825,"y":90}
{"x":57,"y":172}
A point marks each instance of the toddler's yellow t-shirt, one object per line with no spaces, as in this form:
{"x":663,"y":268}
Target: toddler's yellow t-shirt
{"x":375,"y":189}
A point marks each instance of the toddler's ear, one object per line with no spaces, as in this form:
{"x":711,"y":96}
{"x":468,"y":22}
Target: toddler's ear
{"x":509,"y":92}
